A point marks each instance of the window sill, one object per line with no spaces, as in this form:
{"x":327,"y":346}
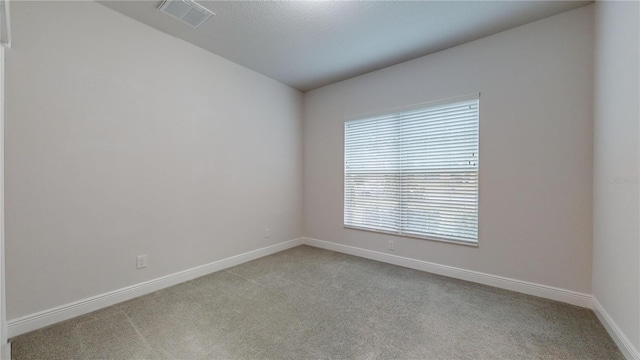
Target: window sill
{"x":429,"y":238}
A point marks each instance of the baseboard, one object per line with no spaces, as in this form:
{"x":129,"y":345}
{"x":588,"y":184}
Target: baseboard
{"x":5,"y":351}
{"x":544,"y":291}
{"x":51,"y":316}
{"x":623,"y":342}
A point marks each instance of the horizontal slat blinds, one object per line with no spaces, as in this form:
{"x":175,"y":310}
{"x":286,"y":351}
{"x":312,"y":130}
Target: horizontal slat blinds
{"x":415,"y":172}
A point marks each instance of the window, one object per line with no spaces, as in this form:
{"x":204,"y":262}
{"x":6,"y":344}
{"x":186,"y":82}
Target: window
{"x":415,"y":172}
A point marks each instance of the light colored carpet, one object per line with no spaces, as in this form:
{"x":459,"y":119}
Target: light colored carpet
{"x":307,"y":303}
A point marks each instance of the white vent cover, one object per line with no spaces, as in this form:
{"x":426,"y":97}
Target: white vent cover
{"x":187,"y":11}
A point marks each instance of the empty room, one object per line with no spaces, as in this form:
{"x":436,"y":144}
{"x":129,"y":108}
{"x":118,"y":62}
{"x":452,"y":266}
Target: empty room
{"x":320,"y":180}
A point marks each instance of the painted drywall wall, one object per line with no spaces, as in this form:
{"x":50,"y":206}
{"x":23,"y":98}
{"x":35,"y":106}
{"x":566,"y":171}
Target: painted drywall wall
{"x":122,"y":140}
{"x":616,"y":172}
{"x":535,"y":149}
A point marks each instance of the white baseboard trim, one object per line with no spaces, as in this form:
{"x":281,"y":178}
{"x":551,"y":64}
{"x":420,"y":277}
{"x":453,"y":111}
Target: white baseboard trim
{"x":544,"y":291}
{"x":623,"y":342}
{"x":5,"y":351}
{"x":51,"y":316}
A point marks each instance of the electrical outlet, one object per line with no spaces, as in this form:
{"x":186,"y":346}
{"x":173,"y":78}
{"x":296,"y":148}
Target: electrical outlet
{"x":392,"y":245}
{"x":141,"y":261}
{"x":267,"y":233}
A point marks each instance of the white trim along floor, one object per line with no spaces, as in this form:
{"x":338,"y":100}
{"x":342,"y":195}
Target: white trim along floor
{"x":51,"y":316}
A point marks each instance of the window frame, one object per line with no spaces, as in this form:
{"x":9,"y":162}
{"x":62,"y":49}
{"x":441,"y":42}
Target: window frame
{"x":399,"y":110}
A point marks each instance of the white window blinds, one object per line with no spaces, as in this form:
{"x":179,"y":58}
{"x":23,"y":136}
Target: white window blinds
{"x":415,"y":172}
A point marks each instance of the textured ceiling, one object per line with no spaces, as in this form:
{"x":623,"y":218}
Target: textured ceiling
{"x":309,"y":44}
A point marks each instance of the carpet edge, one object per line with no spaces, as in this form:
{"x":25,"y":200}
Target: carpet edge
{"x":540,"y":290}
{"x":68,"y":311}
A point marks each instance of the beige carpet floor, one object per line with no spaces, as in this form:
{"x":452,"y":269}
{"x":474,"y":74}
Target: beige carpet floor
{"x":307,"y":303}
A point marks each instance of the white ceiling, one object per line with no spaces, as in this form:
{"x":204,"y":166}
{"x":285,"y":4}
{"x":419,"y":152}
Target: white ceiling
{"x":309,"y":44}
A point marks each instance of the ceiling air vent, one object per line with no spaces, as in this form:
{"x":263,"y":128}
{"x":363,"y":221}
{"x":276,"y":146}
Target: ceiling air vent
{"x":187,"y":11}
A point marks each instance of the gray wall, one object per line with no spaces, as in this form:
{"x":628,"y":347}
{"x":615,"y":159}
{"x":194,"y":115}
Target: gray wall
{"x":121,"y":140}
{"x":616,"y":184}
{"x":535,"y":149}
{"x":105,"y":160}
